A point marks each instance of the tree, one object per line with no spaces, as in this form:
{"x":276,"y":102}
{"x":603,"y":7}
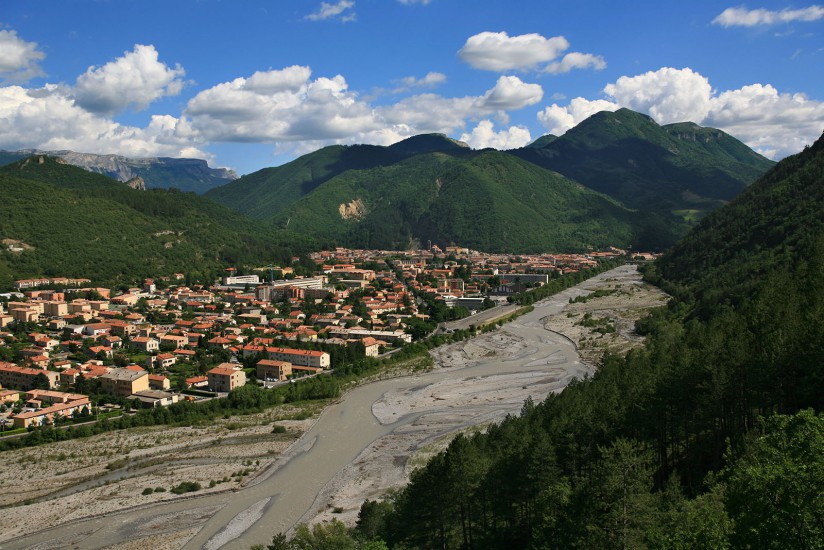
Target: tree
{"x":774,"y":491}
{"x":41,"y":382}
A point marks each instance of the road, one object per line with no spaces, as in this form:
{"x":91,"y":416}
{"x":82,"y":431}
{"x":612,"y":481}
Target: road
{"x":279,"y":498}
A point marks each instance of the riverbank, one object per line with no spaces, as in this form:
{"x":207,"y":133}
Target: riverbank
{"x":360,"y":446}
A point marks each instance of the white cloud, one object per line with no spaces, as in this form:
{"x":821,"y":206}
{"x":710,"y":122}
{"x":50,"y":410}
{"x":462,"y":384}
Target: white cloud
{"x":431,"y":79}
{"x":413,"y":2}
{"x":576,"y":60}
{"x":19,"y":60}
{"x":668,"y":95}
{"x":484,"y":135}
{"x":773,"y":123}
{"x":770,"y":122}
{"x":743,"y":17}
{"x":497,"y":51}
{"x":510,"y":93}
{"x":330,"y":11}
{"x":134,"y":80}
{"x":293,"y":107}
{"x":558,"y":120}
{"x":48,"y":118}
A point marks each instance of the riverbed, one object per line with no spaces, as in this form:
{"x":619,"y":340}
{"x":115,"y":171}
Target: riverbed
{"x":360,"y":446}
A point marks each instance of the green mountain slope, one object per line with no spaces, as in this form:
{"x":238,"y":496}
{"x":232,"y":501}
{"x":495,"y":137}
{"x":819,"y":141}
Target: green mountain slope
{"x":680,"y":167}
{"x":77,"y":223}
{"x":775,"y":223}
{"x":486,"y":200}
{"x":665,"y":448}
{"x":265,"y":193}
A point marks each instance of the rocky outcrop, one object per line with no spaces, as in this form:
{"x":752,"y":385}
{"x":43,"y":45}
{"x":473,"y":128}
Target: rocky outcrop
{"x":137,"y":183}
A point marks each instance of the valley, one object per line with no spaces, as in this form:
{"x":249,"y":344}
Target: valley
{"x":359,"y":447}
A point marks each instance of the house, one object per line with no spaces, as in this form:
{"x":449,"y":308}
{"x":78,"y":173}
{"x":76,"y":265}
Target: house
{"x":197,"y":382}
{"x":96,"y":329}
{"x":267,"y":369}
{"x":371,"y":346}
{"x":50,"y":414}
{"x":300,"y":357}
{"x":159,"y":382}
{"x":53,"y":397}
{"x":226,"y":377}
{"x":25,"y":378}
{"x":146,"y":344}
{"x":124,"y":382}
{"x":9,"y":396}
{"x":155,"y":398}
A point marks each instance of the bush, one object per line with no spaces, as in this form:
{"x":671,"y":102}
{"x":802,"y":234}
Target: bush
{"x":278,"y":429}
{"x":186,"y":487}
{"x":147,"y":491}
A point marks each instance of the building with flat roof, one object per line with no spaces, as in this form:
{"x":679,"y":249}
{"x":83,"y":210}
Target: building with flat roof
{"x":124,"y":382}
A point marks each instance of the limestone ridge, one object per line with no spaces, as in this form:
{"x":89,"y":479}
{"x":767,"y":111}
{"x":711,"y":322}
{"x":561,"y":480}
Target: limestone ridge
{"x":156,"y":172}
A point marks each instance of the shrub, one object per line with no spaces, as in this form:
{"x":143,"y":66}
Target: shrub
{"x":186,"y":487}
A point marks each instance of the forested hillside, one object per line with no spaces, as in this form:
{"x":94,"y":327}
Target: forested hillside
{"x":680,"y":168}
{"x":70,"y":222}
{"x":708,"y":437}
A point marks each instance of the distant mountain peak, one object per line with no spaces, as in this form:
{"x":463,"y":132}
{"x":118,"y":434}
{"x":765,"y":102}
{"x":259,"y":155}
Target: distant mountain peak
{"x":186,"y":174}
{"x":428,"y":143}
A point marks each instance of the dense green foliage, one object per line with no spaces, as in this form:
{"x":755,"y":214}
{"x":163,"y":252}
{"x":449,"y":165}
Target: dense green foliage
{"x":430,"y":188}
{"x":81,"y":224}
{"x":485,"y":200}
{"x":628,"y":156}
{"x":664,"y":448}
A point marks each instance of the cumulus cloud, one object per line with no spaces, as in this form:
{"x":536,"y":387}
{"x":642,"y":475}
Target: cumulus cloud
{"x":668,"y":95}
{"x":134,"y":80}
{"x":331,"y":11}
{"x":742,"y":17}
{"x":558,"y":120}
{"x":770,"y":122}
{"x":773,"y":123}
{"x":484,"y":135}
{"x":19,"y":60}
{"x":510,"y":93}
{"x":497,"y":51}
{"x":48,"y":118}
{"x":576,"y":60}
{"x":292,"y":107}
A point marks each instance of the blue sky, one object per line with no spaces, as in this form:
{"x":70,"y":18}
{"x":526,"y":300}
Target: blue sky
{"x":251,"y":83}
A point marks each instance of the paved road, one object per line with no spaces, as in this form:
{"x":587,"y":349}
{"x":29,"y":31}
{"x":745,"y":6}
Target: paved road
{"x":276,"y":501}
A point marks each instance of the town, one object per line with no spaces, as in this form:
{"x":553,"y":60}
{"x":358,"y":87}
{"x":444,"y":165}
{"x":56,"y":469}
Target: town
{"x":69,"y":351}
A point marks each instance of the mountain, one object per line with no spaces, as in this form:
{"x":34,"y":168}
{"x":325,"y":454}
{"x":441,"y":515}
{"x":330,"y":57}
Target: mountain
{"x":680,"y":168}
{"x":71,"y":222}
{"x":157,"y":172}
{"x":368,"y":195}
{"x":773,"y":225}
{"x":707,"y":437}
{"x":431,"y":188}
{"x":263,"y":194}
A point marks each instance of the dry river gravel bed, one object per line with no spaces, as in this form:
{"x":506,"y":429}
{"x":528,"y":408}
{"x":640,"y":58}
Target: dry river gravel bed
{"x":88,"y":493}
